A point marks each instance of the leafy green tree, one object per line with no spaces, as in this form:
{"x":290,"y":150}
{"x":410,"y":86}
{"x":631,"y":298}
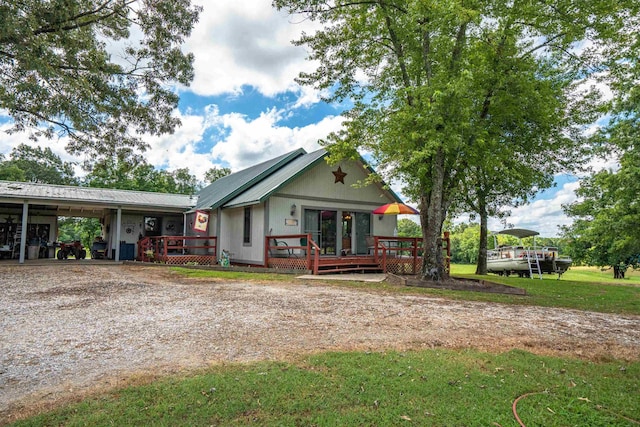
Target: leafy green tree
{"x":140,"y":176}
{"x":215,"y":173}
{"x":63,"y":73}
{"x":464,"y":243}
{"x":605,"y":230}
{"x":84,"y":229}
{"x":34,"y":164}
{"x":10,"y":172}
{"x":439,"y":87}
{"x":408,"y":228}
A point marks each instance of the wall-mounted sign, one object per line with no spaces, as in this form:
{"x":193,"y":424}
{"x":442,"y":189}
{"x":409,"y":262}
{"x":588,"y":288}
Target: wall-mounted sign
{"x":291,"y":222}
{"x":202,"y":221}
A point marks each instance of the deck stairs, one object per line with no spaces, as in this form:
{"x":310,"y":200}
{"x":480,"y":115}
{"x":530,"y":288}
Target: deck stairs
{"x":534,"y":264}
{"x":355,"y":264}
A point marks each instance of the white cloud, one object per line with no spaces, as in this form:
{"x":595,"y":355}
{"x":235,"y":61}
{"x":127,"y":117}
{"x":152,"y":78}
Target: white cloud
{"x":248,"y":142}
{"x":246,"y":43}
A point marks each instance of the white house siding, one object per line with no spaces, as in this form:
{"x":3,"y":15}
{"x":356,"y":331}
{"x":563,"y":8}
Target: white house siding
{"x":317,"y":189}
{"x":132,"y":227}
{"x":232,"y":230}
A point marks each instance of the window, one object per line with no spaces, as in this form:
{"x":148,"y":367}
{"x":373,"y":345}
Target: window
{"x":247,"y":226}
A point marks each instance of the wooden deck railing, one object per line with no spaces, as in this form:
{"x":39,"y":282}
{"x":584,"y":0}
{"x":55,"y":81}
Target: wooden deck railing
{"x":395,"y":254}
{"x":178,"y":249}
{"x":291,"y":251}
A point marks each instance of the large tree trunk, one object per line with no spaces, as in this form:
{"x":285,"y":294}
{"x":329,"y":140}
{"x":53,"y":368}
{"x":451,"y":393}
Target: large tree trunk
{"x":481,"y":266}
{"x":618,"y":271}
{"x":432,"y":215}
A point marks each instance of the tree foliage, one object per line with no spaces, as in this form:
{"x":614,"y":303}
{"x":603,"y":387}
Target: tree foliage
{"x":97,"y":71}
{"x":446,"y":92}
{"x":84,"y":229}
{"x":215,"y":173}
{"x":140,"y":176}
{"x":34,"y":164}
{"x":606,"y":226}
{"x":408,"y":228}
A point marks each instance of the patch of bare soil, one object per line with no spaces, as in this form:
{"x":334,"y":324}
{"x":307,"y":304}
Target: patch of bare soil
{"x":457,"y":284}
{"x":69,"y":330}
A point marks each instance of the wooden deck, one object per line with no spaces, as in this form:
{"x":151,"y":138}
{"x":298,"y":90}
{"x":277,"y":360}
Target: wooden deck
{"x":400,"y":255}
{"x":178,"y":250}
{"x":296,"y":252}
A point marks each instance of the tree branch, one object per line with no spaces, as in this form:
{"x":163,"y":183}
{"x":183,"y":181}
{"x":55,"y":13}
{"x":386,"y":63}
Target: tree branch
{"x":56,"y":26}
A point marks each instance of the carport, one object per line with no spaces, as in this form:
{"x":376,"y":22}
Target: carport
{"x":123,"y":213}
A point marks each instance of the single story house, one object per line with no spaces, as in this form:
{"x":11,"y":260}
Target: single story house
{"x":279,"y":213}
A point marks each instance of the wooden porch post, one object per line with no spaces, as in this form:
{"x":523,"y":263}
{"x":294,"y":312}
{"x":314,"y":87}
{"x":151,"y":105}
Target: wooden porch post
{"x":415,"y":254}
{"x":23,"y":231}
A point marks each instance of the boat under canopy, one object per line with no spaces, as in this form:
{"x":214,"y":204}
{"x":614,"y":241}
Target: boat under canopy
{"x":525,"y":261}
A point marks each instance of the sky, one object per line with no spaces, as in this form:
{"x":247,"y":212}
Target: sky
{"x":244,"y":107}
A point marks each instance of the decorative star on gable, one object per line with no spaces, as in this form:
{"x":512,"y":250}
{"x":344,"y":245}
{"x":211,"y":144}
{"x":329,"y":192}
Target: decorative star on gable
{"x":339,"y":175}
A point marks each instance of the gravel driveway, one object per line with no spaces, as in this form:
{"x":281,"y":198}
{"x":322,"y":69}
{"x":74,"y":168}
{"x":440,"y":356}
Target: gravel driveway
{"x":70,"y":329}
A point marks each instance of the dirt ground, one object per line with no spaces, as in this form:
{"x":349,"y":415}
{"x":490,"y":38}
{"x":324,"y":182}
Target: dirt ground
{"x":68,"y":330}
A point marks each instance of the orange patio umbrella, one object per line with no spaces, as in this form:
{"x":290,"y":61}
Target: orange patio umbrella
{"x":395,"y":209}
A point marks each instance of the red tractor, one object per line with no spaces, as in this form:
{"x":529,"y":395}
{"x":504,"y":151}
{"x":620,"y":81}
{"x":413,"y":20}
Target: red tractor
{"x":74,"y":248}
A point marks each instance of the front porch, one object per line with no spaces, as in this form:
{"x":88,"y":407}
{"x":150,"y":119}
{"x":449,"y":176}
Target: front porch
{"x":386,"y":254}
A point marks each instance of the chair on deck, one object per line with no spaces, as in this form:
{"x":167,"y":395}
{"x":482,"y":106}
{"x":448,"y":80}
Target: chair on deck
{"x":282,"y":249}
{"x":371,"y":242}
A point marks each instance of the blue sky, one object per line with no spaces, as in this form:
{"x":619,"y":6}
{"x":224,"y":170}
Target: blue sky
{"x":244,"y":106}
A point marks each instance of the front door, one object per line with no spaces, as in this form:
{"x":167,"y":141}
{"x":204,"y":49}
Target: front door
{"x":354,"y":229}
{"x":363,"y":230}
{"x":323,"y":226}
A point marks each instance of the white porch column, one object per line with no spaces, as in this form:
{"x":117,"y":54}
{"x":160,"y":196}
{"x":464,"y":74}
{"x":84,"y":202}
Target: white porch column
{"x":23,"y":231}
{"x":118,"y":230}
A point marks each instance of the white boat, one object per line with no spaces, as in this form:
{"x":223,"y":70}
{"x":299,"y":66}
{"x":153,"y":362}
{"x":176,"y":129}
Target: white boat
{"x":525,"y":261}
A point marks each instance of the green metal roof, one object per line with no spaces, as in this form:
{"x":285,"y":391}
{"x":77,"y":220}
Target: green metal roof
{"x":226,"y":188}
{"x":287,"y":173}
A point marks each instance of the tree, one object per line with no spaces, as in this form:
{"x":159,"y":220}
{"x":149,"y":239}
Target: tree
{"x":605,"y":229}
{"x":215,"y":173}
{"x":140,"y":176}
{"x":408,"y":228}
{"x":464,"y":243}
{"x":437,"y":87}
{"x":10,"y":172}
{"x":34,"y":164}
{"x":62,"y":73}
{"x":83,"y":229}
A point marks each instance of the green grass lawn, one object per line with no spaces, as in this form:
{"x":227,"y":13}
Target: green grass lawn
{"x":584,"y":274}
{"x":581,"y":288}
{"x":426,"y":388}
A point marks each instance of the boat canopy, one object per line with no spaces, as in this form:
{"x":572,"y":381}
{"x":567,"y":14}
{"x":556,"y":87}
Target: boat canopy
{"x":520,"y":233}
